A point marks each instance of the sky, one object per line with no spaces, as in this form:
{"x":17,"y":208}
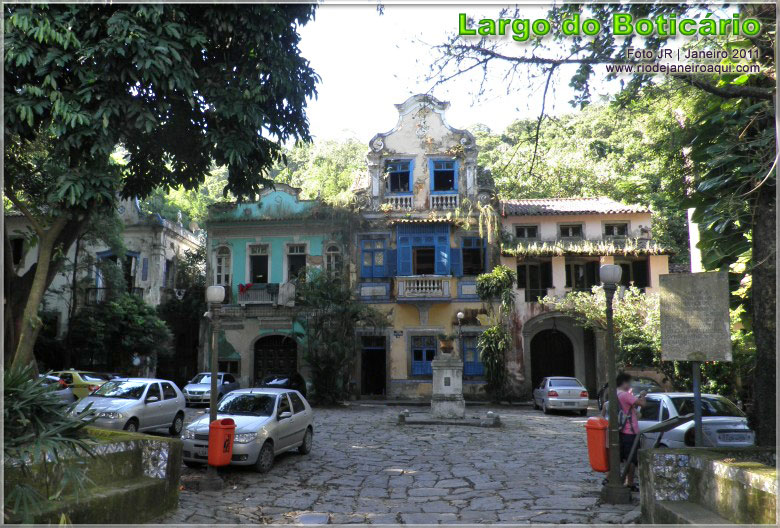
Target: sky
{"x":369,"y":62}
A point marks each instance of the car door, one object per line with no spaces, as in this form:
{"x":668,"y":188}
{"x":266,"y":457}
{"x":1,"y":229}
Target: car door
{"x":540,"y":391}
{"x":300,"y":415}
{"x":153,"y":412}
{"x":648,"y":415}
{"x":286,"y":425}
{"x":170,"y":402}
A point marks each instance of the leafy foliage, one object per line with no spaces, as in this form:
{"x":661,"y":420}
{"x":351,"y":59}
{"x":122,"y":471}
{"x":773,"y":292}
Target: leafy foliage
{"x":496,"y":341}
{"x":330,"y":315}
{"x":39,"y":432}
{"x":109,"y":334}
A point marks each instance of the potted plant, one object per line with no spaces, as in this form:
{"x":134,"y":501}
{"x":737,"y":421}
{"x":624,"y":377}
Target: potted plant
{"x":445,"y":342}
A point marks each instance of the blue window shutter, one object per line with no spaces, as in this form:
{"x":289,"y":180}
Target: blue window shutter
{"x":405,"y":260}
{"x":455,"y":177}
{"x":366,"y":271}
{"x":457,"y":262}
{"x":430,"y":173}
{"x":442,"y":255}
{"x":145,"y":269}
{"x":391,"y":262}
{"x":411,"y":176}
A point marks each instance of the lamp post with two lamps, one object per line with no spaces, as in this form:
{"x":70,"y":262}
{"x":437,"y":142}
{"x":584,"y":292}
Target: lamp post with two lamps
{"x":614,"y":492}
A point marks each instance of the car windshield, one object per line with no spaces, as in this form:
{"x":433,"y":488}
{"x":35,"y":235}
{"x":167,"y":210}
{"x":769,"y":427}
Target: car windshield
{"x":709,"y":406}
{"x":276,"y":380}
{"x":47,"y":380}
{"x":250,"y":404}
{"x":565,"y":383}
{"x":203,"y":378}
{"x":127,"y":390}
{"x":91,"y":376}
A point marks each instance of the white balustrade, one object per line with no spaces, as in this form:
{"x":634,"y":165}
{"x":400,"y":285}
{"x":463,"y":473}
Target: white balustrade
{"x":400,"y":202}
{"x":423,"y":287}
{"x":444,"y":201}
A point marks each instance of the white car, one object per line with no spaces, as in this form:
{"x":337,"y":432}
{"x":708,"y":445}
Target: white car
{"x":561,"y":393}
{"x":723,"y":424}
{"x":136,"y":404}
{"x":268,"y":422}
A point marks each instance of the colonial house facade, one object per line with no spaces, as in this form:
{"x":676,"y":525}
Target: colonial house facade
{"x":421,"y":232}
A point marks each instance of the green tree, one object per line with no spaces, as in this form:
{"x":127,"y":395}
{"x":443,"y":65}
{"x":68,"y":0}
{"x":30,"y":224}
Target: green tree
{"x":496,"y":291}
{"x":330,"y":314}
{"x":179,"y":87}
{"x":109,"y":334}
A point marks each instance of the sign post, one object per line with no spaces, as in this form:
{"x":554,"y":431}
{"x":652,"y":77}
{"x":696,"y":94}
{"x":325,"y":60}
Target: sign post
{"x":695,"y":325}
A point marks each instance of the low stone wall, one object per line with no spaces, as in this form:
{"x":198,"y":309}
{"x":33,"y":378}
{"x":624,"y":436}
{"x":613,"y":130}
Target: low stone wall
{"x":133,"y":478}
{"x":738,"y":485}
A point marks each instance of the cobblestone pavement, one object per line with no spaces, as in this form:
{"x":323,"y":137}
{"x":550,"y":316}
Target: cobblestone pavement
{"x":366,"y":469}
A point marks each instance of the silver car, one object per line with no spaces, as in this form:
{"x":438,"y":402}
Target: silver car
{"x":58,"y":387}
{"x":198,"y":390}
{"x":137,"y":404}
{"x":561,"y":393}
{"x":268,"y":422}
{"x":723,"y":424}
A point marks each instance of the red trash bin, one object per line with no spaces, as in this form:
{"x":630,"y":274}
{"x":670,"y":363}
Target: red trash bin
{"x":221,"y":433}
{"x":597,"y":428}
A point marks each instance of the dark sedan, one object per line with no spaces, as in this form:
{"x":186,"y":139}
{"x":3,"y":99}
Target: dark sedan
{"x":285,"y":381}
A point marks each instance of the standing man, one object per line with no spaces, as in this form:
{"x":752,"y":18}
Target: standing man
{"x":628,"y":423}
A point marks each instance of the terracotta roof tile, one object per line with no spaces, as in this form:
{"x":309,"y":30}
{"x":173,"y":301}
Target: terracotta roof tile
{"x":568,"y":206}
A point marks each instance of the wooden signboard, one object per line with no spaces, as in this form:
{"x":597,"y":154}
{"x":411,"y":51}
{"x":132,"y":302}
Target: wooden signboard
{"x":695,"y":323}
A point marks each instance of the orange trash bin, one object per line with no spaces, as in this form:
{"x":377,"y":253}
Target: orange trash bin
{"x":221,"y":433}
{"x":597,"y":428}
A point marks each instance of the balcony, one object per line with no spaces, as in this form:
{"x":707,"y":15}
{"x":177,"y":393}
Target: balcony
{"x":443,"y":202}
{"x":400,"y":202}
{"x":423,"y":287}
{"x":272,"y":293}
{"x":101,"y":295}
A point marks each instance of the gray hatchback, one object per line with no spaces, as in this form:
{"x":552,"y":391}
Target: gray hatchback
{"x":268,"y":422}
{"x":198,"y":389}
{"x":136,"y":404}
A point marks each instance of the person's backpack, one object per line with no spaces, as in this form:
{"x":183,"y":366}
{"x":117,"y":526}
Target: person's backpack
{"x":624,"y":417}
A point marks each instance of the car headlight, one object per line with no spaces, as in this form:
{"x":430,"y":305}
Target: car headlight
{"x":188,"y":434}
{"x":111,"y":415}
{"x":244,"y":438}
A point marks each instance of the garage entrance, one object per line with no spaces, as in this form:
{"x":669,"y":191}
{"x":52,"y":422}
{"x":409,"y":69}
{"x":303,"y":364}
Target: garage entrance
{"x":275,"y":354}
{"x":373,"y":358}
{"x":552,"y":354}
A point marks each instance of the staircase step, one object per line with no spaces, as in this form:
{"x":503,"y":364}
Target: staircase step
{"x":685,"y":512}
{"x":132,"y":501}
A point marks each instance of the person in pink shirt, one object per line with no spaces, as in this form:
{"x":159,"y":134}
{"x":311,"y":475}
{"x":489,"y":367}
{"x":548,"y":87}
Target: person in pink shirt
{"x":628,"y":404}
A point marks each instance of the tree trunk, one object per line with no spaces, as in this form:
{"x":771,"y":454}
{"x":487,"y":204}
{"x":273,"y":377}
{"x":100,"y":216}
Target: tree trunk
{"x":30,"y":323}
{"x":764,"y":312}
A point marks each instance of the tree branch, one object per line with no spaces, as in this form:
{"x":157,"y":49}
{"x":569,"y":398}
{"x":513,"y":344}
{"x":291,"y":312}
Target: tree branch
{"x":539,"y":121}
{"x":39,"y":230}
{"x":730,"y":91}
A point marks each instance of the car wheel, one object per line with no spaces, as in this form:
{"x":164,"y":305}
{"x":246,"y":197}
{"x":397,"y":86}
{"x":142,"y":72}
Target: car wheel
{"x":536,"y":405}
{"x":265,"y":459}
{"x":131,"y":425}
{"x":177,"y":425}
{"x":583,"y":412}
{"x":545,"y":410}
{"x":308,"y":438}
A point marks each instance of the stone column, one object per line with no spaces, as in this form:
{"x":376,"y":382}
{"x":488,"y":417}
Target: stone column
{"x":447,"y":398}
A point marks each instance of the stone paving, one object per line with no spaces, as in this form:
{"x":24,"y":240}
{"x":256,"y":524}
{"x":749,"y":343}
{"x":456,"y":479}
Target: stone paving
{"x":366,"y":469}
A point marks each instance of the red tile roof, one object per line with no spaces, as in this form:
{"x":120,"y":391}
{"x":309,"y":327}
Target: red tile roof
{"x":567,"y":206}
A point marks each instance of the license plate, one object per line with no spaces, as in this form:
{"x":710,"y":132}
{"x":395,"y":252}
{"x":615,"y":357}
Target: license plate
{"x":735,"y":437}
{"x":569,"y":403}
{"x":202,"y":451}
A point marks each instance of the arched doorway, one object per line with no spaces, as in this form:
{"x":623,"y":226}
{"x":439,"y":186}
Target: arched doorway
{"x":552,"y":354}
{"x":276,"y":354}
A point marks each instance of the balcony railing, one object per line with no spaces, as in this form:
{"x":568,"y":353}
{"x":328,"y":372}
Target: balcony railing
{"x":400,"y":203}
{"x":444,"y":201}
{"x":259,"y":294}
{"x":101,"y":295}
{"x":423,"y":288}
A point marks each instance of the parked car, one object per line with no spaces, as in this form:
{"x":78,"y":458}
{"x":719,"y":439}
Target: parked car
{"x":137,"y":404}
{"x":285,"y":381}
{"x":82,"y":382}
{"x":268,"y":422}
{"x":561,"y":393}
{"x":637,"y":386}
{"x":198,"y":389}
{"x":723,"y":423}
{"x":59,"y":387}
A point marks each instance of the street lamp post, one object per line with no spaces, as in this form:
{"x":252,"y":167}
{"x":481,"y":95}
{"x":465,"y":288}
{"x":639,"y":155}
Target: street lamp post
{"x":214,"y":296}
{"x":614,"y":492}
{"x":460,"y":316}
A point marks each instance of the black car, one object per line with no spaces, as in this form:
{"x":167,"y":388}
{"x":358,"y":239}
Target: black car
{"x":285,"y":381}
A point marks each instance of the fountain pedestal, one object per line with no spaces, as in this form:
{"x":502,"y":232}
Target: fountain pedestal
{"x":447,"y":398}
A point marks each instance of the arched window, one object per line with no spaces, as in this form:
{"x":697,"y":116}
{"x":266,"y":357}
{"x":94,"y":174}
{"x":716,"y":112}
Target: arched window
{"x":222,"y":268}
{"x":333,"y":260}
